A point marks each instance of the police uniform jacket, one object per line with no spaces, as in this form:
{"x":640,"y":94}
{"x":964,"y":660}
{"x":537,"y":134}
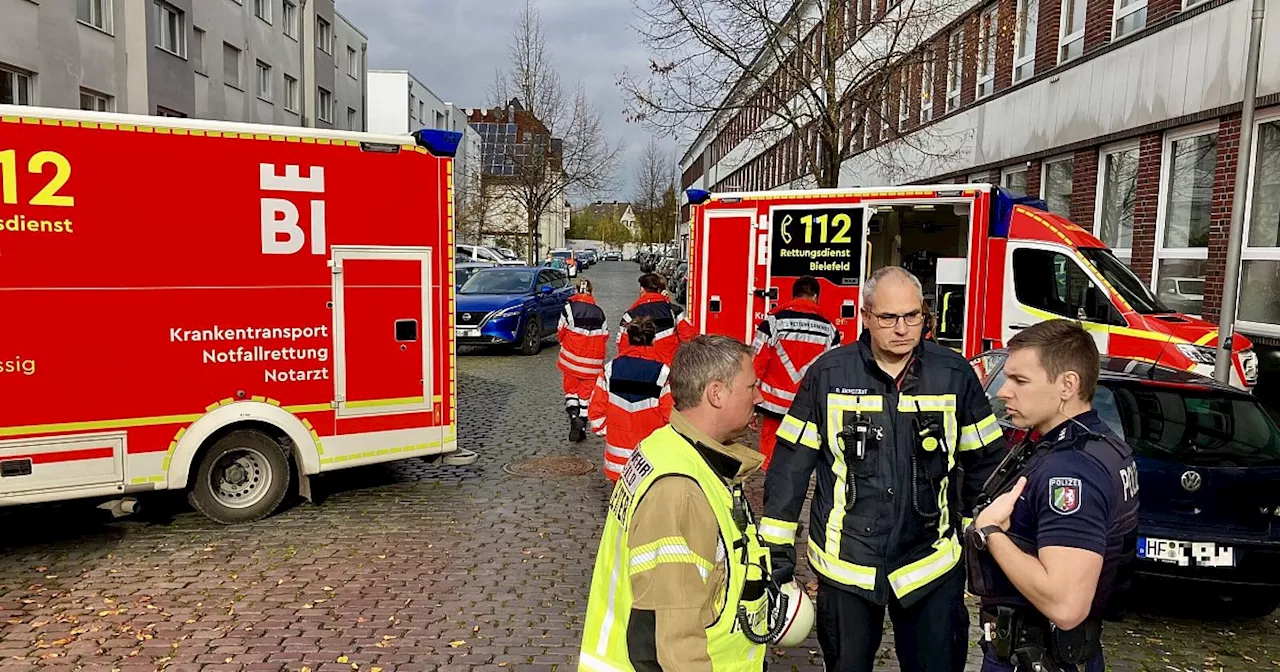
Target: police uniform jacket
{"x":1081,"y":492}
{"x":888,"y":523}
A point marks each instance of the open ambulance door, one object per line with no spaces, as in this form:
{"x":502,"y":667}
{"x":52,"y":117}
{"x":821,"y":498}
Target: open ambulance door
{"x":827,"y":241}
{"x":728,"y":260}
{"x":1045,"y":281}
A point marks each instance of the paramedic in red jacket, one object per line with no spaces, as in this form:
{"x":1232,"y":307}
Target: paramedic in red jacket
{"x":786,"y":343}
{"x":583,"y":337}
{"x":668,"y":319}
{"x":632,"y":397}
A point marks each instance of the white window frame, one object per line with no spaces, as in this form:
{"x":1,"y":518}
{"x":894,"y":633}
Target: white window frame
{"x":928,"y":69}
{"x":290,"y":19}
{"x":262,"y":10}
{"x":1024,"y":7}
{"x":324,"y":111}
{"x":955,"y":66}
{"x":20,"y":77}
{"x":1162,"y":202}
{"x":1117,"y":15}
{"x":324,"y":35}
{"x":904,"y":94}
{"x":987,"y":46}
{"x":161,"y":12}
{"x":264,"y":82}
{"x":1066,"y":39}
{"x":103,"y":21}
{"x":1248,"y":253}
{"x":109,"y":102}
{"x":885,"y":117}
{"x":352,"y":118}
{"x":1124,"y":253}
{"x":291,"y":98}
{"x":1044,"y":177}
{"x":1013,"y":170}
{"x":239,"y":84}
{"x":353,"y":63}
{"x":1188,"y":4}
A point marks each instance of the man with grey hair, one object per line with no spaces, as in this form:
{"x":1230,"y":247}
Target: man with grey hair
{"x":680,"y":572}
{"x":885,"y":421}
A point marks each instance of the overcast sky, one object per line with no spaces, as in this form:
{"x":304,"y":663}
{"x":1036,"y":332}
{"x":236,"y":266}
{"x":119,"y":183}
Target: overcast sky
{"x":454,"y":47}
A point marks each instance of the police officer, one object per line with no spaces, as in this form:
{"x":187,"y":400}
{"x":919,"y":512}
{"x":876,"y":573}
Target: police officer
{"x":1046,"y":554}
{"x":885,"y":421}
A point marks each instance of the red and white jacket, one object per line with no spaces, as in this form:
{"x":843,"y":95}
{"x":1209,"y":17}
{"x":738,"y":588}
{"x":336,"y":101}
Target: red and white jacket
{"x":631,"y":400}
{"x":673,"y":328}
{"x":583,"y":337}
{"x":786,"y":343}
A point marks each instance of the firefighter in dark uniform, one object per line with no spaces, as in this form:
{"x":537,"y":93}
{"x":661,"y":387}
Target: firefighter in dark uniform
{"x":1045,"y":556}
{"x":886,"y":421}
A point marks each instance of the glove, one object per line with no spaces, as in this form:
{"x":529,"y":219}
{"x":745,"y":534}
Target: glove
{"x":784,"y":568}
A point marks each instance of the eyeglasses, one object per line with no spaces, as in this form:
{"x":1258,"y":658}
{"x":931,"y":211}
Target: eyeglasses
{"x":887,"y":320}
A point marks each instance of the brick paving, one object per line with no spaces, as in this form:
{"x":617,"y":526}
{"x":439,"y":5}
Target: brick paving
{"x":406,"y":566}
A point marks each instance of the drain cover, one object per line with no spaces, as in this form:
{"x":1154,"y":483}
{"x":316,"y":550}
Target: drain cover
{"x":556,"y":465}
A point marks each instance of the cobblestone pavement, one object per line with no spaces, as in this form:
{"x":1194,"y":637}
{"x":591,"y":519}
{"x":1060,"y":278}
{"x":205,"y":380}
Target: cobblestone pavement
{"x":406,"y":566}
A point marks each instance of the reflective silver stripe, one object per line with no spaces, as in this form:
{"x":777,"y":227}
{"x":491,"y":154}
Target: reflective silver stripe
{"x":776,"y":534}
{"x":624,"y":453}
{"x":565,"y":354}
{"x":579,"y":368}
{"x":769,"y":405}
{"x":632,"y":406}
{"x":590,"y":662}
{"x":613,"y":466}
{"x":673,"y":550}
{"x":766,"y":388}
{"x":587,"y":332}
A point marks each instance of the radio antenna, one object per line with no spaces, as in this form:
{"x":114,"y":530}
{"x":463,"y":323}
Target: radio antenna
{"x":1151,"y":375}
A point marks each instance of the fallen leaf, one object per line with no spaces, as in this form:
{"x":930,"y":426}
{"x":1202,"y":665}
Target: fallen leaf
{"x":326,"y":588}
{"x":375,"y":669}
{"x":343,"y":659}
{"x":228,"y":660}
{"x":305,"y":669}
{"x":457,"y":642}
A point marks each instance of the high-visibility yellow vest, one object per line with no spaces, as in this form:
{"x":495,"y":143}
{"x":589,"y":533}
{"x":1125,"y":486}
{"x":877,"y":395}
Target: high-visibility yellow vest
{"x":604,"y":637}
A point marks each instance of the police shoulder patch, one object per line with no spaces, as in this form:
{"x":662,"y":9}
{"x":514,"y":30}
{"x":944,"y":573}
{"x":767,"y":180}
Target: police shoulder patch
{"x":1064,"y":495}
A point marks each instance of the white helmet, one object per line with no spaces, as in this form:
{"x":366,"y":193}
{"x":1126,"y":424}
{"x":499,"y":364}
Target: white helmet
{"x":798,"y":619}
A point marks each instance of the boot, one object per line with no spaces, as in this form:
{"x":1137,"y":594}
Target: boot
{"x":577,"y":429}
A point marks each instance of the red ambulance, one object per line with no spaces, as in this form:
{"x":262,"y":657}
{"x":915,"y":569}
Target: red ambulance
{"x":223,"y":308}
{"x":991,"y":263}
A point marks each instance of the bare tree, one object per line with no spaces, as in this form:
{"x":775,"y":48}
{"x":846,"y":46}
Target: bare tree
{"x":814,"y":81}
{"x":562,"y":148}
{"x":655,"y":176}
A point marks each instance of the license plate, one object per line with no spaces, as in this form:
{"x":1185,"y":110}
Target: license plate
{"x":1251,"y":368}
{"x":1186,"y":553}
{"x":468,"y":333}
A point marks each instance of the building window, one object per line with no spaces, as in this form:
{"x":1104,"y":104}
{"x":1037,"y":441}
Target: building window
{"x":1024,"y":45}
{"x":1130,"y":17}
{"x":1182,"y":239}
{"x":96,"y":13}
{"x":1071,"y":32}
{"x":1117,"y":194}
{"x":904,"y":95}
{"x":353,"y":63}
{"x":171,"y":29}
{"x":166,"y":112}
{"x":353,"y":120}
{"x":325,"y":113}
{"x":230,"y":65}
{"x":262,"y":9}
{"x":290,"y":19}
{"x":290,"y":93}
{"x":1055,"y":185}
{"x":987,"y":52}
{"x":1015,"y":179}
{"x":96,"y":102}
{"x":264,"y":81}
{"x":15,"y":87}
{"x":1260,"y":271}
{"x":926,"y":86}
{"x":955,"y":64}
{"x":885,"y":119}
{"x":413,"y":107}
{"x":324,"y":36}
{"x":197,"y":56}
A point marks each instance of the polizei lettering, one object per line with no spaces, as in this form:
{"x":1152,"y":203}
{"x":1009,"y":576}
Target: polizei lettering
{"x":280,"y":216}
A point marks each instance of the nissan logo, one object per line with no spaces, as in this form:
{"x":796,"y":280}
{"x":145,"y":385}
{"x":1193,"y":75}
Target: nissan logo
{"x":1191,"y":481}
{"x":466,"y":317}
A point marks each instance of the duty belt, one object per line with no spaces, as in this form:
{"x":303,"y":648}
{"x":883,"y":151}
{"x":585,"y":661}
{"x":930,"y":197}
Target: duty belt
{"x":1024,"y":638}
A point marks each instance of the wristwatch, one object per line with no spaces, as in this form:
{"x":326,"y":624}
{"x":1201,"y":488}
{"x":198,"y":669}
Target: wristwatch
{"x":980,"y":535}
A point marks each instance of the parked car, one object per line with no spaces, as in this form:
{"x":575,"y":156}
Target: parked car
{"x":462,"y":270}
{"x":1209,"y":472}
{"x":483,"y":253}
{"x":509,"y":253}
{"x":516,"y":305}
{"x":611,"y":255}
{"x":570,"y":258}
{"x":589,"y":257}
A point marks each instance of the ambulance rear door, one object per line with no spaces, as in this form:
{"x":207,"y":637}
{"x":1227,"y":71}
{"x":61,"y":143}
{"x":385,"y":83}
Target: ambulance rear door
{"x":727,"y":272}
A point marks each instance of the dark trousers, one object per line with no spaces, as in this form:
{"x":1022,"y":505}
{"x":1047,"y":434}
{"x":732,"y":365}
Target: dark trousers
{"x":932,"y":635}
{"x":992,"y":664}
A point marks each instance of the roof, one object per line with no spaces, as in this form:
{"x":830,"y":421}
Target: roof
{"x":1123,"y":369}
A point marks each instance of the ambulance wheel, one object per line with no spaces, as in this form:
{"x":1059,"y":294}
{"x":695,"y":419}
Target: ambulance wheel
{"x":243,"y":478}
{"x":531,"y":337}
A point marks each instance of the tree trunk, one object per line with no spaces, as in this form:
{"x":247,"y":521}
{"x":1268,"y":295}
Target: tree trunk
{"x":532,"y":224}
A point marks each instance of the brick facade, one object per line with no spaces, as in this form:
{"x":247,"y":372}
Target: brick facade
{"x":1145,"y":204}
{"x":940,"y":65}
{"x":1097,"y":24}
{"x":1220,"y":215}
{"x":1033,"y":178}
{"x":969,"y":76}
{"x":1084,"y":187}
{"x":1159,"y":10}
{"x":1006,"y":24}
{"x":1047,"y":29}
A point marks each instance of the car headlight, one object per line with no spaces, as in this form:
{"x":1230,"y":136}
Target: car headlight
{"x":510,"y":311}
{"x":1199,"y":354}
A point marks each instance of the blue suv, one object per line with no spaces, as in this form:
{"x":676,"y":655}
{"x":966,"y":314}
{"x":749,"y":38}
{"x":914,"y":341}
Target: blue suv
{"x":515,"y":305}
{"x":1209,"y":475}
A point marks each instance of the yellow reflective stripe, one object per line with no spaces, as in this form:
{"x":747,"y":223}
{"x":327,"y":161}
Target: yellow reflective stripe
{"x":979,"y":434}
{"x":929,"y":403}
{"x":845,"y":572}
{"x":779,"y":532}
{"x":799,"y":433}
{"x":589,"y":662}
{"x":667,"y":550}
{"x":924,"y":571}
{"x":965,"y":523}
{"x":837,"y":405}
{"x":851,"y":402}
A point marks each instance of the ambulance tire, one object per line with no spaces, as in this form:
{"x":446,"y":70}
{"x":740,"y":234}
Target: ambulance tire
{"x":531,"y":337}
{"x":255,"y":457}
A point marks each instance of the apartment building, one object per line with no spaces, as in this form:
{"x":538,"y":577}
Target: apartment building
{"x":1122,"y":114}
{"x":263,"y":61}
